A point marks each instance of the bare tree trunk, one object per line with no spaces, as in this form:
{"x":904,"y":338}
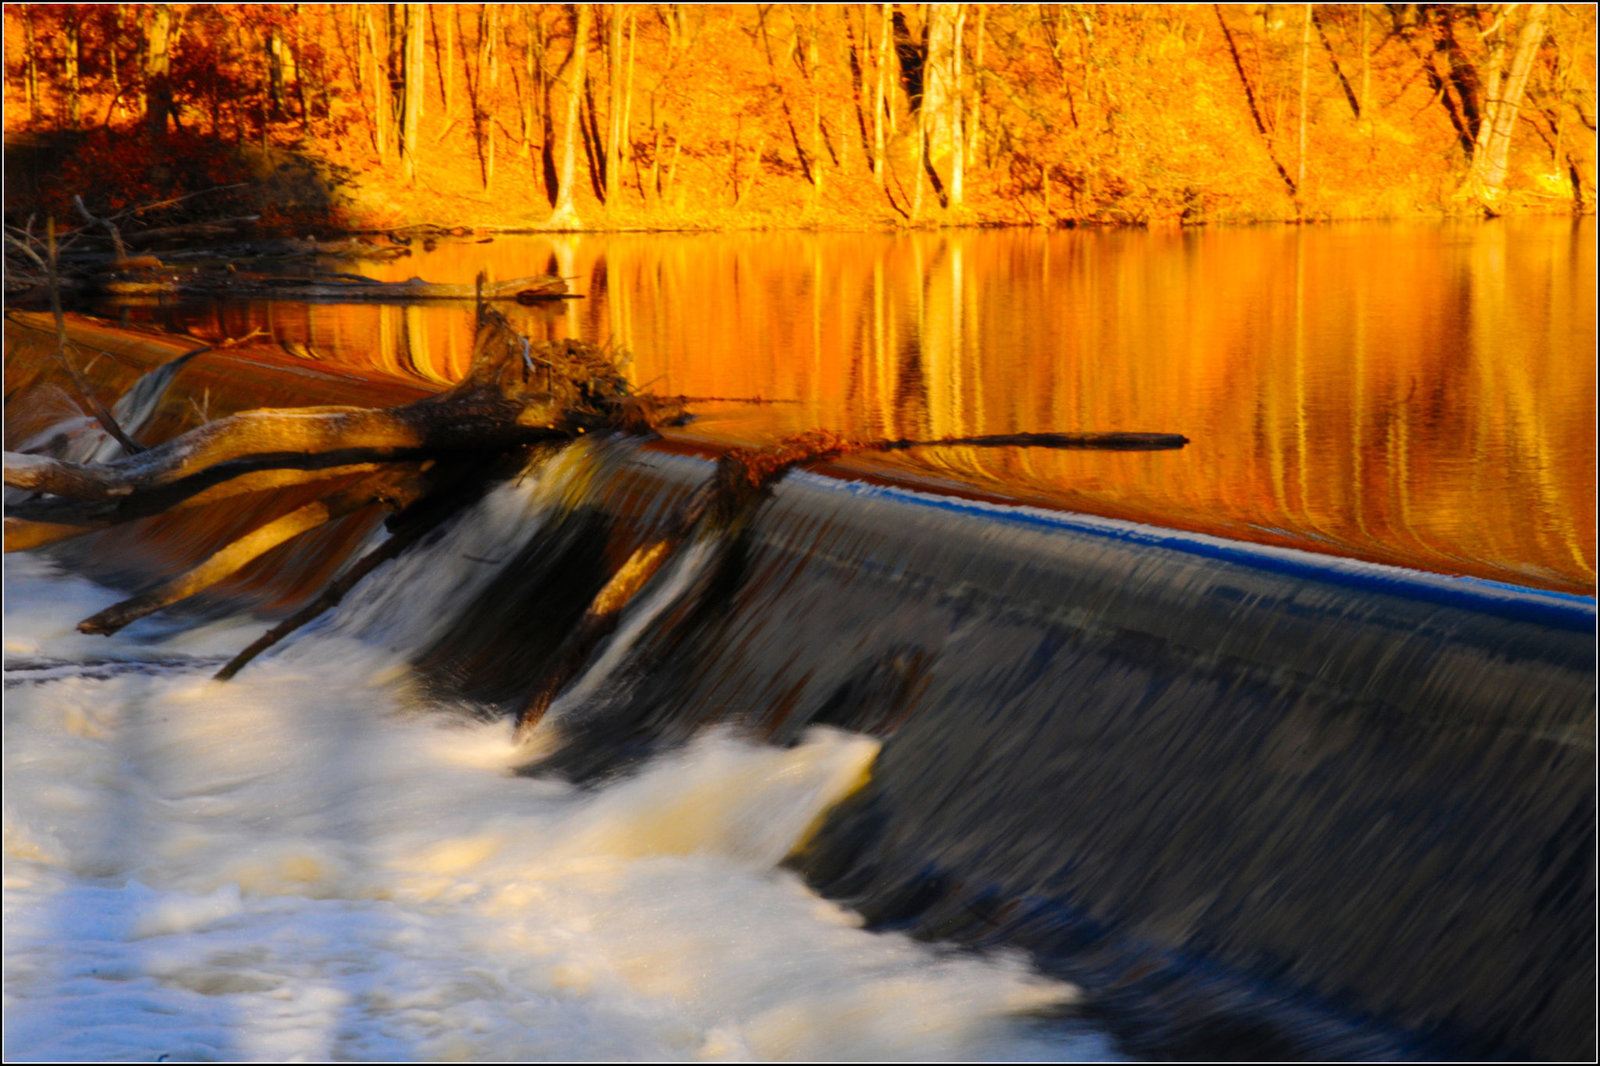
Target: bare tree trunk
{"x":917,"y":177}
{"x":1327,"y":45}
{"x":545,"y":165}
{"x":275,"y":70}
{"x":517,"y":95}
{"x":565,"y":215}
{"x":358,"y":66}
{"x":440,"y":60}
{"x":111,"y":61}
{"x":975,"y":121}
{"x":856,"y":53}
{"x":1457,"y":85}
{"x":884,"y":33}
{"x":1255,"y":112}
{"x":958,"y":140}
{"x":614,"y":108}
{"x":672,"y":169}
{"x":160,"y":36}
{"x":806,"y":164}
{"x":380,"y":107}
{"x":1361,"y":13}
{"x":538,"y":96}
{"x":31,"y":78}
{"x":71,"y":60}
{"x":1491,"y":155}
{"x":816,"y":107}
{"x":472,"y":74}
{"x":655,"y":161}
{"x":755,"y":171}
{"x":939,"y":116}
{"x":1305,"y":78}
{"x":625,"y":146}
{"x":452,"y":27}
{"x":843,"y":121}
{"x":527,"y":98}
{"x":594,"y":144}
{"x":415,"y":85}
{"x":297,"y":55}
{"x":324,"y":74}
{"x":488,"y":84}
{"x":658,"y":122}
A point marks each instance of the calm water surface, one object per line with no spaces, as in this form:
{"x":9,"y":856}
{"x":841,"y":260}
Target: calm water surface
{"x":1415,"y":394}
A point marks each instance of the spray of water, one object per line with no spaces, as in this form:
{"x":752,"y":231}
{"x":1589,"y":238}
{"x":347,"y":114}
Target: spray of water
{"x":311,"y":861}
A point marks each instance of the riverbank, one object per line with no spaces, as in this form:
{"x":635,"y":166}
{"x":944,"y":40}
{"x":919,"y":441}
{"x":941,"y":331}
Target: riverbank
{"x":633,"y":117}
{"x":299,"y":190}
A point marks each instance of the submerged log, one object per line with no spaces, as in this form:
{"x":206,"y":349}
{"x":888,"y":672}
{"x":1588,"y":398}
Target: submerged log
{"x":340,"y":288}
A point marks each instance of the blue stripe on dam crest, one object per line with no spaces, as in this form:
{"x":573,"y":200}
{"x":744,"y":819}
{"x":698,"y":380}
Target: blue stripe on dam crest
{"x":1516,"y":602}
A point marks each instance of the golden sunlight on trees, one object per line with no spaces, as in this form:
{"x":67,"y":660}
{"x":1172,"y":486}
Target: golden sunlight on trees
{"x":1502,"y":100}
{"x":663,"y":115}
{"x":565,"y":215}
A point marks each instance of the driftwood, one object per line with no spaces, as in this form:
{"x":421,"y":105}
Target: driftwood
{"x":422,"y":462}
{"x":516,"y":394}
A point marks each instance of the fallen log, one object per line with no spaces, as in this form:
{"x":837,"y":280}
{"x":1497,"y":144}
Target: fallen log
{"x":294,"y":439}
{"x":286,"y":250}
{"x":395,"y":486}
{"x":334,"y":592}
{"x":517,"y":393}
{"x":43,"y":520}
{"x":340,"y":288}
{"x":222,"y":227}
{"x":423,"y":461}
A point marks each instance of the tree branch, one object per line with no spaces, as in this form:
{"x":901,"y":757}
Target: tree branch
{"x":36,"y":522}
{"x":267,"y":439}
{"x":400,"y":485}
{"x":332,"y":594}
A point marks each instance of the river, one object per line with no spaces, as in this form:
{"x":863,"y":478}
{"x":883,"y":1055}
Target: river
{"x":1415,"y":394}
{"x":964,"y":754}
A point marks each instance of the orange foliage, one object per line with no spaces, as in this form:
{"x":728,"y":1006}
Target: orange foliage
{"x":767,"y":116}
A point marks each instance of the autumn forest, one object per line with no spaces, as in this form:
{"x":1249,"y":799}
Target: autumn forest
{"x":620,"y":116}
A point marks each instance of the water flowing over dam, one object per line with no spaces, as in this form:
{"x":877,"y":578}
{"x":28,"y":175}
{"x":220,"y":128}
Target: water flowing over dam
{"x":897,"y":766}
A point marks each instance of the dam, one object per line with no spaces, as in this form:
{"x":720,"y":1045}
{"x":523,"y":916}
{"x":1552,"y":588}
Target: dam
{"x":967,"y":756}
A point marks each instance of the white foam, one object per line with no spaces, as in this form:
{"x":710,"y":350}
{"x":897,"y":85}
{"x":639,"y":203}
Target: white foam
{"x":410,"y":600}
{"x":307,"y":862}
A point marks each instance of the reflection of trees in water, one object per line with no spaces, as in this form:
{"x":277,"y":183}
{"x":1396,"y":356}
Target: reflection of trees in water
{"x":1439,"y":411}
{"x":911,"y":392}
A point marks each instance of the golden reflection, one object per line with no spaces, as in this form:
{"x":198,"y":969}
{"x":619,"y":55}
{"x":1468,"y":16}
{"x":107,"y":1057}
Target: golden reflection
{"x":1421,"y":395}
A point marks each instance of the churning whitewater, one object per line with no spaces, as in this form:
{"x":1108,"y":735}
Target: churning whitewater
{"x":316,"y":861}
